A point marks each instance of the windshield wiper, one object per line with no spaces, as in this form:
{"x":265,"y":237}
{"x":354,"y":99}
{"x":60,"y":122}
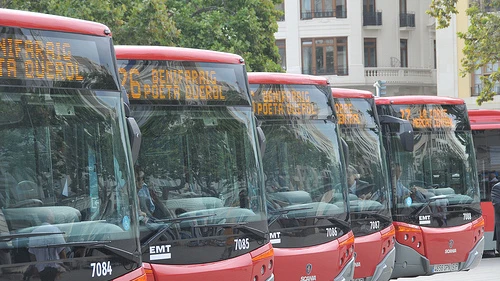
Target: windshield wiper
{"x":171,"y":222}
{"x":9,"y":237}
{"x":468,"y":208}
{"x":243,"y":227}
{"x":333,"y":219}
{"x":427,"y":203}
{"x":95,"y":245}
{"x":377,"y":215}
{"x":280,"y":212}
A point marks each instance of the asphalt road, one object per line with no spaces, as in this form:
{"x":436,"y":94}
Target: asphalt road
{"x":488,"y":270}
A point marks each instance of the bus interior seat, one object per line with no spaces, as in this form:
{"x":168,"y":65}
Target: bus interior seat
{"x":182,"y":205}
{"x":19,"y":218}
{"x":444,"y":191}
{"x":292,"y":197}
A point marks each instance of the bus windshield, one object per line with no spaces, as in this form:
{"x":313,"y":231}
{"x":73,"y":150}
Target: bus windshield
{"x":488,"y":159}
{"x":439,"y":177}
{"x":305,"y":184}
{"x":63,"y":163}
{"x":65,"y":174}
{"x":366,"y":173}
{"x":198,"y":160}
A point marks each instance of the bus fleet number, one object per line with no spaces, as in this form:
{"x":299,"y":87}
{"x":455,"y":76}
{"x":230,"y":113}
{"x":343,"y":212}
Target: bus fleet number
{"x":241,"y":244}
{"x":101,"y":268}
{"x":374,"y":224}
{"x":331,"y":232}
{"x":467,"y":216}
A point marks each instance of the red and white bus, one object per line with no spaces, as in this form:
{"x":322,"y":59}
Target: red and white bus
{"x":304,"y":170}
{"x":369,"y":185}
{"x":67,"y":194}
{"x":485,"y":125}
{"x":205,"y":215}
{"x":435,"y":194}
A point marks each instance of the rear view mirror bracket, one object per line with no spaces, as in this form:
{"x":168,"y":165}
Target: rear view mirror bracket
{"x":404,"y":132}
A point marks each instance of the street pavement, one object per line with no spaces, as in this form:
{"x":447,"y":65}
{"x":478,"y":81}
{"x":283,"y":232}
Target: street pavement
{"x":488,"y":270}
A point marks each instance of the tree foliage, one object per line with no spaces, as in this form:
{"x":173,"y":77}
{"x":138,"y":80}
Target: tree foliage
{"x":139,"y":22}
{"x":244,"y":27}
{"x":482,"y":39}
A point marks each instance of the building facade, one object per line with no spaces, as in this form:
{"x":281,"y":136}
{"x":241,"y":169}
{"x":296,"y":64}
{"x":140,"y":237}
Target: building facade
{"x":449,"y":54}
{"x":355,"y":43}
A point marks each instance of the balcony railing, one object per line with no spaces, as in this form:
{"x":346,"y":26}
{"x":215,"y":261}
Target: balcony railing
{"x":401,"y":75}
{"x":372,"y":18}
{"x":407,"y":20}
{"x":339,"y":71}
{"x":323,"y":14}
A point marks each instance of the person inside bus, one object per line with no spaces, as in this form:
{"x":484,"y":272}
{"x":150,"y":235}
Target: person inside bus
{"x":492,"y":178}
{"x":41,"y":253}
{"x":357,"y":186}
{"x":402,"y":192}
{"x":146,"y":204}
{"x":495,"y":200}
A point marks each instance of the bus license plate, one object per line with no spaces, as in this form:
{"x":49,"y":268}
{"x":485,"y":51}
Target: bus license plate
{"x":446,"y":267}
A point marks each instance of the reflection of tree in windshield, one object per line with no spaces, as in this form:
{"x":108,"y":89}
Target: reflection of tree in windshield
{"x":191,"y":154}
{"x":300,"y":157}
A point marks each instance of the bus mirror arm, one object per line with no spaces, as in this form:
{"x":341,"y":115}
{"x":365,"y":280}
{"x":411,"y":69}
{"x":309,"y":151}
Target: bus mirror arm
{"x":135,"y":137}
{"x":345,"y":151}
{"x":262,"y":140}
{"x":126,"y":102}
{"x":405,"y":131}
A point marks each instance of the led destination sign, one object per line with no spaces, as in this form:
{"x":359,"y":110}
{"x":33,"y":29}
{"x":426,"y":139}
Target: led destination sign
{"x":168,"y":84}
{"x":347,"y":114}
{"x":47,"y":56}
{"x":297,"y":100}
{"x":175,"y":81}
{"x":282,"y":102}
{"x":355,"y":112}
{"x":422,"y":118}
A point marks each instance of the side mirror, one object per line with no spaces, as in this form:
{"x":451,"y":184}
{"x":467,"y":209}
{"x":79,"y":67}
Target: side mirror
{"x":402,"y":128}
{"x":135,"y":137}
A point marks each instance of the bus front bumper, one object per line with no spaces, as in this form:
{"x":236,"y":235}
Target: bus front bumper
{"x":347,"y":273}
{"x":474,"y":256}
{"x":271,"y":278}
{"x":409,"y":263}
{"x":384,"y":269}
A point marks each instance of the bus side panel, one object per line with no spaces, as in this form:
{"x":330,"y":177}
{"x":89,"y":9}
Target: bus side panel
{"x":371,"y":250}
{"x":321,"y":262}
{"x":450,"y":245}
{"x":489,"y":225}
{"x":243,"y":268}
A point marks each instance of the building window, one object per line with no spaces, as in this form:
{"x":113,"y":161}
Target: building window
{"x":402,"y":7}
{"x":406,"y":19}
{"x":282,"y":50}
{"x":368,"y":6}
{"x":370,"y":47}
{"x":371,"y":17}
{"x":340,"y":9}
{"x":484,"y":71}
{"x":435,"y":54}
{"x":325,"y":56}
{"x":310,"y":9}
{"x":281,"y":8}
{"x":403,"y":55}
{"x":487,"y":5}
